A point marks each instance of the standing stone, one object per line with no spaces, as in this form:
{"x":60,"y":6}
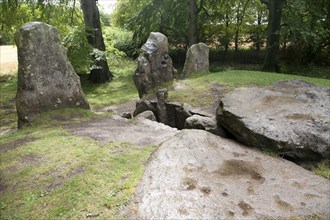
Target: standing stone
{"x":155,"y":66}
{"x":46,"y":79}
{"x":197,"y":59}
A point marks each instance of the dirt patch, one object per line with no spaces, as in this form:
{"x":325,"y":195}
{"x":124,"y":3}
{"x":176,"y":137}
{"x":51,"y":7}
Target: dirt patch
{"x":246,"y":208}
{"x":60,"y":179}
{"x":31,"y":159}
{"x":66,"y":117}
{"x":8,"y":59}
{"x":8,"y":68}
{"x":283,"y":204}
{"x":15,"y":144}
{"x":119,"y":109}
{"x":240,"y":168}
{"x":299,"y":117}
{"x":189,"y":184}
{"x":205,"y":190}
{"x":3,"y":186}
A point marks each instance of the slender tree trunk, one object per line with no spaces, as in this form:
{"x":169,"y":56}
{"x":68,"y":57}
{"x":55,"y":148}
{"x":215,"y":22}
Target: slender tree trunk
{"x":258,"y":34}
{"x":227,"y":37}
{"x":237,"y":31}
{"x":95,"y":38}
{"x":192,"y":22}
{"x":273,"y":36}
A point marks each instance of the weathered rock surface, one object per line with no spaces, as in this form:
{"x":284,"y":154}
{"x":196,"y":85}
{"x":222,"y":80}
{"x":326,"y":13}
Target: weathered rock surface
{"x":144,"y":105}
{"x":175,"y":114}
{"x":148,"y":115}
{"x":182,"y":112}
{"x":291,"y":117}
{"x":161,"y":106}
{"x":155,"y":66}
{"x":197,"y":59}
{"x":197,"y":175}
{"x":204,"y":123}
{"x":46,"y":79}
{"x":141,"y":132}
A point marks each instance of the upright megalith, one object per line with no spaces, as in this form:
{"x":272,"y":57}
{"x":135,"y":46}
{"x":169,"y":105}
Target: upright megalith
{"x":46,"y":79}
{"x":197,"y":59}
{"x":155,"y":66}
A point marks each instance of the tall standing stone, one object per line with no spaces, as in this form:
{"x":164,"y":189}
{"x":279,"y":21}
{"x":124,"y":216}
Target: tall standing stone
{"x":46,"y":79}
{"x":197,"y":59}
{"x":155,"y":66}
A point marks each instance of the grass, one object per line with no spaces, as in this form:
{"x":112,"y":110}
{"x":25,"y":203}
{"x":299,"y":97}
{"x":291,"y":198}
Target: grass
{"x":121,"y":89}
{"x":200,"y":85}
{"x":59,"y":175}
{"x":8,"y":87}
{"x":51,"y":173}
{"x":323,"y":168}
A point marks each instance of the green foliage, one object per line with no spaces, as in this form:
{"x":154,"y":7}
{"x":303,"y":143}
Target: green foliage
{"x":79,"y":51}
{"x":59,"y":13}
{"x":144,"y":16}
{"x":307,"y":29}
{"x":117,"y":41}
{"x":323,"y":168}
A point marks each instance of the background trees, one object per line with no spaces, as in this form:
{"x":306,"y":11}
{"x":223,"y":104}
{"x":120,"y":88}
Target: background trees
{"x":100,"y":73}
{"x":66,"y":16}
{"x":294,"y":25}
{"x":236,"y":30}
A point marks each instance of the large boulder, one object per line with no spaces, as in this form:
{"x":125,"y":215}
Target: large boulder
{"x":291,"y":117}
{"x":197,"y":59}
{"x":197,"y":175}
{"x":155,"y":66}
{"x":46,"y":79}
{"x":148,"y":115}
{"x":204,"y":123}
{"x":144,"y":105}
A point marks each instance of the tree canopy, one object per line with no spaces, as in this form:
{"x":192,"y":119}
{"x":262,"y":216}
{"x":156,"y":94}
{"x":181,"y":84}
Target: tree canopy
{"x":303,"y":30}
{"x":304,"y":24}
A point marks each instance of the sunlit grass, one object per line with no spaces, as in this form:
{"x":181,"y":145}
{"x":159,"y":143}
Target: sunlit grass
{"x":59,"y":175}
{"x":8,"y":85}
{"x":197,"y":90}
{"x":323,"y":168}
{"x":119,"y":90}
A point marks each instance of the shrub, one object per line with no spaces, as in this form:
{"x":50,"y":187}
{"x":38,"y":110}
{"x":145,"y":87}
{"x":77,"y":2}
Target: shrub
{"x":79,"y":51}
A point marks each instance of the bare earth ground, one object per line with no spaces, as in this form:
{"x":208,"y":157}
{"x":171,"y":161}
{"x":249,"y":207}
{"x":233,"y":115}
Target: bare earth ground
{"x":8,"y":59}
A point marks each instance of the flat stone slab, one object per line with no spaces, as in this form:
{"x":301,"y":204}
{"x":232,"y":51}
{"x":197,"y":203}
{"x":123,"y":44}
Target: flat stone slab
{"x":138,"y":131}
{"x":197,"y":175}
{"x":291,"y":117}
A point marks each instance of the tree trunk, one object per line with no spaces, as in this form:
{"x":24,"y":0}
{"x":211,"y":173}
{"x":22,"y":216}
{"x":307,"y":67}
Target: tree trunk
{"x":192,"y":22}
{"x":95,"y":38}
{"x":273,"y":36}
{"x":237,"y":29}
{"x":259,"y":17}
{"x":226,"y":38}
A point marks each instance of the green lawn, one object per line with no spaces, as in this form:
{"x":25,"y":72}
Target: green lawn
{"x":50,"y":173}
{"x":199,"y":84}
